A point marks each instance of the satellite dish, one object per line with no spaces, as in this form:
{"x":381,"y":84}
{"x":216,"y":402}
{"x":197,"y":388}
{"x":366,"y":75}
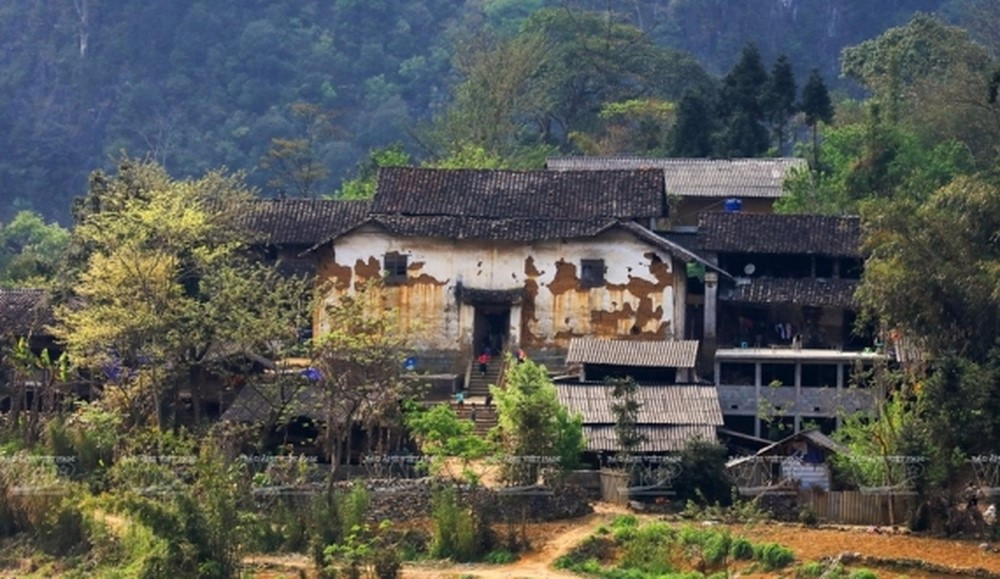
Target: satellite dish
{"x":749,"y":268}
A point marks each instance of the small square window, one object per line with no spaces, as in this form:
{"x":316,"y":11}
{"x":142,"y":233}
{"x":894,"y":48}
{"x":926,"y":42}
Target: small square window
{"x":592,"y":272}
{"x":394,"y":268}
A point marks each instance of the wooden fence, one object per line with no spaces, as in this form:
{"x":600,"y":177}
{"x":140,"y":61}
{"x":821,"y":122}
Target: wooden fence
{"x":856,"y":507}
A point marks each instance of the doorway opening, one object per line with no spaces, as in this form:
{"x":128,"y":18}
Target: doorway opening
{"x":491,"y":329}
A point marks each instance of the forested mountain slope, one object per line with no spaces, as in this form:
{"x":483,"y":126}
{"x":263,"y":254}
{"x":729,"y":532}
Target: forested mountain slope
{"x":199,"y":84}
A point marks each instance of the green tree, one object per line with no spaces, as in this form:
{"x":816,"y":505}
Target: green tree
{"x":779,"y":101}
{"x":362,"y":186}
{"x":532,"y":423}
{"x":30,"y":250}
{"x":441,"y":434}
{"x":293,"y":162}
{"x":953,"y":234}
{"x":932,"y":79}
{"x":359,"y":356}
{"x":162,"y":293}
{"x":692,"y":132}
{"x":817,"y":107}
{"x":741,"y":107}
{"x":626,"y":411}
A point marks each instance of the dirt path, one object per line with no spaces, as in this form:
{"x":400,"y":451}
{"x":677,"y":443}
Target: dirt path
{"x":554,"y":540}
{"x":814,"y":544}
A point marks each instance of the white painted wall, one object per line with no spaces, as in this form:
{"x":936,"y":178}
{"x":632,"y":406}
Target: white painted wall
{"x":435,"y":320}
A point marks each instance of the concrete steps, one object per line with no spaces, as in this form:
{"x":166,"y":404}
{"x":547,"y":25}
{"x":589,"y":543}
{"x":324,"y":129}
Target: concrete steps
{"x":484,"y":417}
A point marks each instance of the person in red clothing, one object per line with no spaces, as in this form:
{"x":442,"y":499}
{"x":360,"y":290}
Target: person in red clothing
{"x":484,"y":361}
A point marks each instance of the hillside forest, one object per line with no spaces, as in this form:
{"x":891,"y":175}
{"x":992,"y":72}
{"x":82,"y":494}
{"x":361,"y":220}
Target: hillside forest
{"x":131,"y":132}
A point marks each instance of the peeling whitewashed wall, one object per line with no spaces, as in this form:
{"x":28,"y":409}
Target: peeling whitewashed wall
{"x":639,"y":298}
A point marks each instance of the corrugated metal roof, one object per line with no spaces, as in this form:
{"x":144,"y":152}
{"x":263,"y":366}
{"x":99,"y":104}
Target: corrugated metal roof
{"x":580,"y":195}
{"x":663,"y":405}
{"x":659,"y":438}
{"x":651,"y":354}
{"x":761,"y":178}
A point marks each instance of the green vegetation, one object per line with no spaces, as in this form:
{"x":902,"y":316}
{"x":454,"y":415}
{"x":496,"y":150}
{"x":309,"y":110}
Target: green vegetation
{"x":297,"y":93}
{"x":532,"y":423}
{"x":659,"y":549}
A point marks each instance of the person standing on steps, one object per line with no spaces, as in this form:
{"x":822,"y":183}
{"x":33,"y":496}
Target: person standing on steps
{"x":484,"y":361}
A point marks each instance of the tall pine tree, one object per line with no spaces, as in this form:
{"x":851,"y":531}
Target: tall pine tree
{"x":779,"y":103}
{"x":743,"y":91}
{"x":692,"y":131}
{"x":817,"y":107}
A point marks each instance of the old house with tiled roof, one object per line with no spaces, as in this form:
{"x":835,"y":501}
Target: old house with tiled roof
{"x":283,"y":230}
{"x":698,"y":185}
{"x":781,"y":334}
{"x":525,"y":258}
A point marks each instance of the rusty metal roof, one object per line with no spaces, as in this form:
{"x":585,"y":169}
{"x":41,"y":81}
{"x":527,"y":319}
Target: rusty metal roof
{"x":300,"y":221}
{"x":570,"y":195}
{"x":646,"y":353}
{"x":663,"y":405}
{"x":741,"y":232}
{"x":24,"y":312}
{"x":658,"y":438}
{"x":803,"y":292}
{"x":761,"y":178}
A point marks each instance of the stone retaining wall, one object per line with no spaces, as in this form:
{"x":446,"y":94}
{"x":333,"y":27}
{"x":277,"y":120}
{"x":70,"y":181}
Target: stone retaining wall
{"x":410,"y":499}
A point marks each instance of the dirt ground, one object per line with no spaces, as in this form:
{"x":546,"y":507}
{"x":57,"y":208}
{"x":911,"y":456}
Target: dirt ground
{"x":551,"y":540}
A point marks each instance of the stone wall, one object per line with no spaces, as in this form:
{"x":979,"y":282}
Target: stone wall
{"x":410,"y":499}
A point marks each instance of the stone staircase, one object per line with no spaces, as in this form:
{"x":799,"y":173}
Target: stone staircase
{"x":484,"y":417}
{"x":479,"y":384}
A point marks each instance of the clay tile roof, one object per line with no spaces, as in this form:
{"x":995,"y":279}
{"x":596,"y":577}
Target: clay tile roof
{"x":803,"y":292}
{"x":301,"y":221}
{"x":780,"y":234}
{"x":655,"y":354}
{"x":540,"y":195}
{"x":761,"y":178}
{"x":24,"y":311}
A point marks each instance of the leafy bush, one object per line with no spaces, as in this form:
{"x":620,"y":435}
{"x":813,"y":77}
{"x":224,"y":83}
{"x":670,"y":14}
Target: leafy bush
{"x":459,"y":534}
{"x":649,"y":549}
{"x":808,"y":517}
{"x":741,"y":548}
{"x":862,"y":574}
{"x":773,"y":556}
{"x":352,"y":508}
{"x":500,"y":557}
{"x":810,"y":569}
{"x":593,"y":549}
{"x":704,"y":477}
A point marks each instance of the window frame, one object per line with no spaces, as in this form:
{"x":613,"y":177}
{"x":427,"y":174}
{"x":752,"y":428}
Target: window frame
{"x":394,"y":267}
{"x":592,"y":272}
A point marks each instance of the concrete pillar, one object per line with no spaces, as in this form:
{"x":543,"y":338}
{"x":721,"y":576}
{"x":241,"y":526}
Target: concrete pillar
{"x":711,"y":303}
{"x":756,"y":398}
{"x":798,"y":396}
